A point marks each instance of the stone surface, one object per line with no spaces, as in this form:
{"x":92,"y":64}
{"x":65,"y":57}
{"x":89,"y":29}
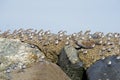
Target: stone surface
{"x":70,"y":63}
{"x":40,"y":71}
{"x":15,"y":53}
{"x":85,"y":44}
{"x":106,"y":69}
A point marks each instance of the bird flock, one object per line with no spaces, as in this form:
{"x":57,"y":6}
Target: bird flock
{"x":90,"y":46}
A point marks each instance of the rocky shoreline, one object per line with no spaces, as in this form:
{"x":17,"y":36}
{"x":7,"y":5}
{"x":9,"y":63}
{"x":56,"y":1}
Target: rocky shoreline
{"x":78,"y":54}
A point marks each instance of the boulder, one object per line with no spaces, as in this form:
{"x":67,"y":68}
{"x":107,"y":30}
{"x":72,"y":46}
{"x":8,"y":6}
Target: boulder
{"x":105,"y":69}
{"x":14,"y":53}
{"x":70,"y":63}
{"x":85,"y":44}
{"x":40,"y":71}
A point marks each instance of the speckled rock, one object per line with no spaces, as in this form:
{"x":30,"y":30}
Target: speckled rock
{"x":105,"y":69}
{"x":15,"y":53}
{"x":70,"y":63}
{"x":40,"y":71}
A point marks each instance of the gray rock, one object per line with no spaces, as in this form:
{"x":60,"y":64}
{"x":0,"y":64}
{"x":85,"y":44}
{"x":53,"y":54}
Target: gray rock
{"x":70,"y":63}
{"x":106,"y":69}
{"x":14,"y":53}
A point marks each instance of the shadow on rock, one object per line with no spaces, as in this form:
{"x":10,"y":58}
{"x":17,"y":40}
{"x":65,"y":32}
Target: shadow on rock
{"x":70,"y":63}
{"x":41,"y":71}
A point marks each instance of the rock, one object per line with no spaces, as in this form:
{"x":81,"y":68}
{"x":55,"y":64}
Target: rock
{"x":105,"y":69}
{"x":41,"y":71}
{"x":14,"y":52}
{"x":70,"y":63}
{"x":85,"y":44}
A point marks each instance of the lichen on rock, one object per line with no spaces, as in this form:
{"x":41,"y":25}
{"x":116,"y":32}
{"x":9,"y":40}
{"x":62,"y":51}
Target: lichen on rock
{"x":14,"y":51}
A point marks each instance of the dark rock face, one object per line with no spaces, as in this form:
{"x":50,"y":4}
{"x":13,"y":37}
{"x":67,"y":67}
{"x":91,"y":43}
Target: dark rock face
{"x":70,"y":63}
{"x":106,"y":69}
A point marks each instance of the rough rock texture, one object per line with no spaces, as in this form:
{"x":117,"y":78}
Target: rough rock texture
{"x":106,"y":69}
{"x":14,"y":53}
{"x":70,"y":63}
{"x":40,"y":71}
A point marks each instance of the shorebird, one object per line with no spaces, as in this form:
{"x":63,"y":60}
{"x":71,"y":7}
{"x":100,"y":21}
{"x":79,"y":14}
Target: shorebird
{"x":23,"y":66}
{"x":98,"y":42}
{"x":67,"y":43}
{"x":82,"y":38}
{"x":109,"y":43}
{"x":56,"y":42}
{"x":29,"y":30}
{"x":108,"y":38}
{"x":68,"y":37}
{"x":62,"y":32}
{"x":5,"y":34}
{"x":116,"y":35}
{"x":40,"y":32}
{"x":118,"y":57}
{"x":46,"y":43}
{"x":35,"y":32}
{"x":87,"y":32}
{"x":14,"y":32}
{"x":30,"y":37}
{"x":74,"y":34}
{"x":103,"y":57}
{"x":80,"y":33}
{"x":89,"y":36}
{"x":85,"y":51}
{"x":40,"y":38}
{"x":47,"y":32}
{"x":32,"y":46}
{"x":109,"y":49}
{"x":97,"y":35}
{"x":59,"y":32}
{"x":103,"y":49}
{"x":109,"y":34}
{"x":109,"y":63}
